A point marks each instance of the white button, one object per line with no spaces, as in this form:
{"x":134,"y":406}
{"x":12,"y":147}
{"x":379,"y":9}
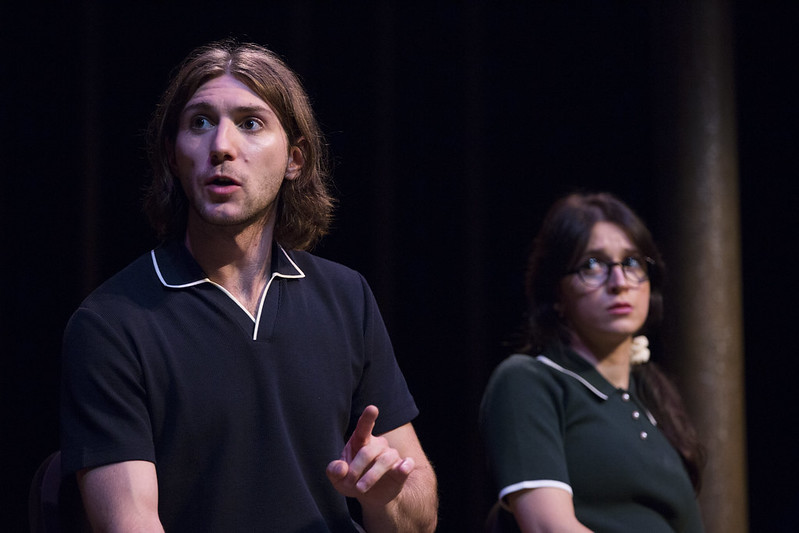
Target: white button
{"x":625,"y":397}
{"x":644,"y":435}
{"x":636,"y":415}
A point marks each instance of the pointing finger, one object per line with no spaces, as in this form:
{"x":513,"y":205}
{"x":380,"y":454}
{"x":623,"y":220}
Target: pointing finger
{"x":363,"y":430}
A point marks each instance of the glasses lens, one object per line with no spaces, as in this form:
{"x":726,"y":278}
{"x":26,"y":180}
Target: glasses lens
{"x":593,"y":272}
{"x":635,"y":269}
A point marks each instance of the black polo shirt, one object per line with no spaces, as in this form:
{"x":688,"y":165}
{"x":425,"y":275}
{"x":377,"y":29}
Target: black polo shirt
{"x":240,"y":414}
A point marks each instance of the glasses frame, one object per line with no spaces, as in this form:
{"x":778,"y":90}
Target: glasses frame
{"x":629,"y":276}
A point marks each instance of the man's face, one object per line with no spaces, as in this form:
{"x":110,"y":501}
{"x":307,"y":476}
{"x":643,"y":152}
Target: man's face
{"x":231,"y":155}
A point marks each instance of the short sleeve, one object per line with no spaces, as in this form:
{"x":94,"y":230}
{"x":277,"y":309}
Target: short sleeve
{"x":522,"y":425}
{"x":382,"y":382}
{"x":104,"y":417}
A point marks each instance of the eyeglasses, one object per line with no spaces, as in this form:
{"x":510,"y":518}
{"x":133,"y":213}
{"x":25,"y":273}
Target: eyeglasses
{"x":595,"y":272}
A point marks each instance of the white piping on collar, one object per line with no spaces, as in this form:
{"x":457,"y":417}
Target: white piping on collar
{"x":274,"y":275}
{"x":549,"y":362}
{"x":256,"y":319}
{"x":300,"y":273}
{"x":163,"y":281}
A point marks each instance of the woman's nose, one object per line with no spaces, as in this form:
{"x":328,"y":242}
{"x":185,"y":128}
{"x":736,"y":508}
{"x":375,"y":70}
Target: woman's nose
{"x":616,"y":278}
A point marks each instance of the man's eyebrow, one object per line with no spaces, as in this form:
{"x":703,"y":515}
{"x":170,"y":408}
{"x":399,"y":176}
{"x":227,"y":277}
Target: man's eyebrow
{"x":202,"y":105}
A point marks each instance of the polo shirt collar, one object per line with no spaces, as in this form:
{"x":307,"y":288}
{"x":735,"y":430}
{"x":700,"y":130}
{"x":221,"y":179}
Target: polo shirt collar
{"x":177,"y":269}
{"x":570,"y":363}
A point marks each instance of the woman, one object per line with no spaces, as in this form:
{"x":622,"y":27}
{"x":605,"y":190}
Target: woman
{"x":581,"y":432}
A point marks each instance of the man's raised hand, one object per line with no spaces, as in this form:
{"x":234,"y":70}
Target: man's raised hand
{"x":369,"y":469}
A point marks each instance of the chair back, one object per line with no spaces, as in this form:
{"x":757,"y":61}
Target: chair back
{"x":54,"y":504}
{"x":500,"y":520}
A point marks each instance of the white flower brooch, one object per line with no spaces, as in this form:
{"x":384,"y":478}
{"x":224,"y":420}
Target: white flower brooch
{"x":640,"y":350}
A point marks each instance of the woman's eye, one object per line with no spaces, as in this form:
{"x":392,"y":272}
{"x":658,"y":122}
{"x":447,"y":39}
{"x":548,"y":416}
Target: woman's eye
{"x":632,"y":262}
{"x":592,"y":264}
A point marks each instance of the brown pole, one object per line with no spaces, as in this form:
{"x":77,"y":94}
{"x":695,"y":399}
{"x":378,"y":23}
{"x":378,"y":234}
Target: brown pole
{"x":701,"y":227}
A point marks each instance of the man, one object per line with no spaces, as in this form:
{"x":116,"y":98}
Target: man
{"x":229,"y":380}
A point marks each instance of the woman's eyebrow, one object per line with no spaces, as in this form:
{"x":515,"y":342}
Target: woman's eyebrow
{"x":602,"y":252}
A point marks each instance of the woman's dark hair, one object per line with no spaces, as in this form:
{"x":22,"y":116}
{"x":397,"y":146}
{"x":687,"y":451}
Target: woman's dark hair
{"x":304,"y":205}
{"x":556,"y":249}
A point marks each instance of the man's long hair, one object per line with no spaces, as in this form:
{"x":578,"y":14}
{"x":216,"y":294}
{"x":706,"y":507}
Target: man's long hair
{"x":304,"y":204}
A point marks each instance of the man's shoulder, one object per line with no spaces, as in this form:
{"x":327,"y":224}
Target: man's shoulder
{"x":135,"y":278}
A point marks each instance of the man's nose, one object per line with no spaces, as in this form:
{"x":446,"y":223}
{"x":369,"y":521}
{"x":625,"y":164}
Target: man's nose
{"x":223,"y":145}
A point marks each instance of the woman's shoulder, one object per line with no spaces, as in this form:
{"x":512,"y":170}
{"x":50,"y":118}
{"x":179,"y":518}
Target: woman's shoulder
{"x":521,"y":362}
{"x":519,"y":383}
{"x":520,"y":370}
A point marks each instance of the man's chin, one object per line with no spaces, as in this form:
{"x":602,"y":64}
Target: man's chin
{"x":228,"y":221}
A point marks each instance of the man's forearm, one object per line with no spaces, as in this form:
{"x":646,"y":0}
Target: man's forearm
{"x":121,"y":497}
{"x":414,"y":510}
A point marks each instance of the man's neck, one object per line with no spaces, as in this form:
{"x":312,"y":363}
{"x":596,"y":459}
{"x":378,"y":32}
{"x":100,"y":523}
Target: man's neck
{"x":237,"y":260}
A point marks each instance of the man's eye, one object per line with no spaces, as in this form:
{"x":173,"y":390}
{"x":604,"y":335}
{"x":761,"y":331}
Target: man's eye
{"x":250,"y":124}
{"x":200,"y":123}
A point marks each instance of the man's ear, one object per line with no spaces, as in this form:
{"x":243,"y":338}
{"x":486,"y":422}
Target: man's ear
{"x":295,"y":163}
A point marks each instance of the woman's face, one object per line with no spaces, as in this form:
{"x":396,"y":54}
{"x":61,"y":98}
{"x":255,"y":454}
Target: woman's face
{"x":616,"y":309}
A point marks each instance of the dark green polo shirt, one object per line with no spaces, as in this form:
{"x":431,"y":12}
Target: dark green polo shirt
{"x":554,"y":421}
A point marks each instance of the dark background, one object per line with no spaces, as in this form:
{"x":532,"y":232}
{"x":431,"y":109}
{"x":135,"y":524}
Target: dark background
{"x":453,"y":126}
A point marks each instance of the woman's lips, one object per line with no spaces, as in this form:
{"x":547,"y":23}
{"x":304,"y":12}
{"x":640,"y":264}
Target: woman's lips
{"x":620,"y":308}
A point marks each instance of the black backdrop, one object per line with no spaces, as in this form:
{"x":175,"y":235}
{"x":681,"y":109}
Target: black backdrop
{"x":453,"y":126}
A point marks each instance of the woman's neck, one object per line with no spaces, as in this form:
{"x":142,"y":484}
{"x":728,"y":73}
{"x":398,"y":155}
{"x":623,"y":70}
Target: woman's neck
{"x":611,"y":360}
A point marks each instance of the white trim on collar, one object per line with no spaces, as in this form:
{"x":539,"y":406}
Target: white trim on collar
{"x":256,"y":319}
{"x":550,"y":363}
{"x":299,"y":274}
{"x":163,"y":281}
